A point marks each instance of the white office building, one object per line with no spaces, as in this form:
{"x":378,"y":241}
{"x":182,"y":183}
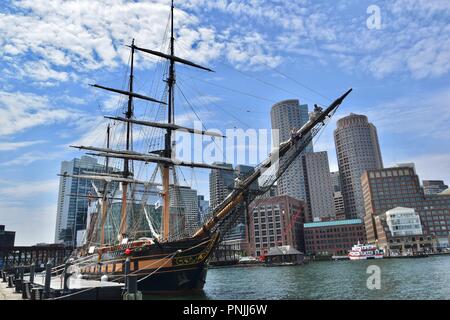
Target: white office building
{"x":403,"y":222}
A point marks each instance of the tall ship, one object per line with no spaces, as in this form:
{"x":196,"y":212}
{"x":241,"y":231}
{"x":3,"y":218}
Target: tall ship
{"x":165,"y":252}
{"x":365,"y":251}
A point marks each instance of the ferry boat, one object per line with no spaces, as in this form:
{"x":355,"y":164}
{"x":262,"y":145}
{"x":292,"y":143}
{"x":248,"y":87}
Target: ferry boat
{"x":365,"y":251}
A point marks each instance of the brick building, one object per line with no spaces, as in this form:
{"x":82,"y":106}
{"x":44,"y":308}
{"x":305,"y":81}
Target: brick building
{"x":389,"y":188}
{"x":336,"y":237}
{"x":276,"y":221}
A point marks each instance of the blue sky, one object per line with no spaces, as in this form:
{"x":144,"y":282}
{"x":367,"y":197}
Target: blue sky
{"x":262,"y":52}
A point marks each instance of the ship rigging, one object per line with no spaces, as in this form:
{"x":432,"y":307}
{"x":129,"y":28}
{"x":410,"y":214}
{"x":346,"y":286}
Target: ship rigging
{"x":166,"y":258}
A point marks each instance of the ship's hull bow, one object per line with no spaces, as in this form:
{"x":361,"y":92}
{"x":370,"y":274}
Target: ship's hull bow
{"x":162,"y":267}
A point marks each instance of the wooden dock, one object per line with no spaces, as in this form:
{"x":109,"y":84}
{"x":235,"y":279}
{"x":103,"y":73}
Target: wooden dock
{"x":57,"y":283}
{"x":54,"y":285}
{"x":17,"y":288}
{"x":8,"y":293}
{"x":81,"y":289}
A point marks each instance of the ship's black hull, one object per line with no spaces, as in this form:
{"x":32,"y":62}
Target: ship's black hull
{"x":161,"y":268}
{"x":183,"y":280}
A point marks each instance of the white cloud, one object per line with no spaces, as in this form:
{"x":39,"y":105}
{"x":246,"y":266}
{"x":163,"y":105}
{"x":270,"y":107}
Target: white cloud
{"x":71,"y":100}
{"x":204,"y":100}
{"x":114,"y":102}
{"x":422,"y":115}
{"x":9,"y":146}
{"x":415,"y":39}
{"x":252,"y":50}
{"x":21,"y":190}
{"x":21,"y":111}
{"x":41,"y":71}
{"x":87,"y":35}
{"x":30,"y":157}
{"x":84,"y":35}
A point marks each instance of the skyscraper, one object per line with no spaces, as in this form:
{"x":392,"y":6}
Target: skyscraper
{"x":221,"y":183}
{"x":286,"y":116}
{"x":73,"y":198}
{"x":319,"y":192}
{"x":357,"y":150}
{"x":339,"y":208}
{"x":238,"y":232}
{"x":203,"y":208}
{"x":335,"y":181}
{"x":186,"y":199}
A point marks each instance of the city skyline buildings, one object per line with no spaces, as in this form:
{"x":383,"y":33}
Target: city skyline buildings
{"x":314,"y":164}
{"x":388,"y":188}
{"x":402,"y":99}
{"x":317,"y":159}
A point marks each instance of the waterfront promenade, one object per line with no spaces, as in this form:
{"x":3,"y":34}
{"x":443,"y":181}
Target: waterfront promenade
{"x":8,"y":293}
{"x":406,"y":278}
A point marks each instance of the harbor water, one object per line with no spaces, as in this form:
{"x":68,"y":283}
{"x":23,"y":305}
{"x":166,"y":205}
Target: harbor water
{"x":410,"y":278}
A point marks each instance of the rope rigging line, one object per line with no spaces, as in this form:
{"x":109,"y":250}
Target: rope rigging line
{"x":276,"y":70}
{"x":229,"y":89}
{"x":203,"y":125}
{"x":206,"y":103}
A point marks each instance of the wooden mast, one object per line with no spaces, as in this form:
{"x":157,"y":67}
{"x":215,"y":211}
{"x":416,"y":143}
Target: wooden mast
{"x":168,"y":138}
{"x":104,"y":199}
{"x":126,"y":169}
{"x":165,"y":158}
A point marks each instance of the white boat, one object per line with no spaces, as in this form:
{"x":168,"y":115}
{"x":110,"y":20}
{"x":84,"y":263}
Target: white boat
{"x":365,"y":251}
{"x":248,"y":260}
